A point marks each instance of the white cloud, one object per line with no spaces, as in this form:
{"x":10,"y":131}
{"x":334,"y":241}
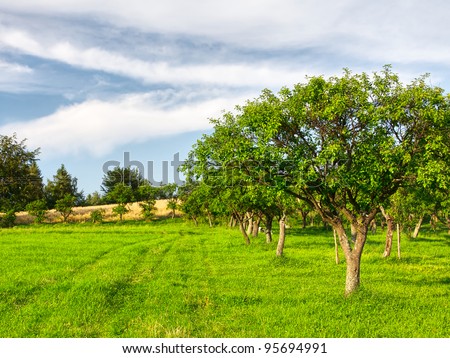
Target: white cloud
{"x":97,"y":127}
{"x":404,"y":30}
{"x":14,"y":68}
{"x":237,"y":74}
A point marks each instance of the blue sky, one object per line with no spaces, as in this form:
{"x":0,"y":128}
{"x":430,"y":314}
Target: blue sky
{"x":88,"y":80}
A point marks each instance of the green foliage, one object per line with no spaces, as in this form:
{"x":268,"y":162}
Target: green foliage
{"x":8,"y":219}
{"x":38,"y":209}
{"x":121,"y":194}
{"x":343,"y":145}
{"x":172,"y":279}
{"x":20,"y":177}
{"x":94,"y":199}
{"x":148,"y":209}
{"x":120,"y":210}
{"x":97,"y":216}
{"x":148,"y":195}
{"x":65,"y":205}
{"x":125,"y":176}
{"x":62,"y":185}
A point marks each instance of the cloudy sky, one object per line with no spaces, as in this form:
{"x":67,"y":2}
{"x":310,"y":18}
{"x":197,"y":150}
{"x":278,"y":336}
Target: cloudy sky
{"x":87,"y":80}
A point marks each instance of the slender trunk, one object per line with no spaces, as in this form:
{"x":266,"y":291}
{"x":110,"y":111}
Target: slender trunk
{"x":244,"y":233}
{"x":269,"y":220}
{"x":282,"y":235}
{"x":352,"y":279}
{"x":433,"y":221}
{"x":232,"y":222}
{"x":336,"y":252}
{"x":398,"y":241}
{"x":373,"y":226}
{"x":195,"y":221}
{"x":304,"y":217}
{"x":417,"y":227}
{"x":352,"y":255}
{"x":250,"y":225}
{"x":210,"y":219}
{"x":255,"y":230}
{"x":389,"y":233}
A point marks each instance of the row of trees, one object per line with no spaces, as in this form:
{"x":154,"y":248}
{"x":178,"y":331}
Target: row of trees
{"x":346,"y":147}
{"x":22,"y":187}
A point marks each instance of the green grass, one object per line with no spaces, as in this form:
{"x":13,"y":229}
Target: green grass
{"x":171,"y":279}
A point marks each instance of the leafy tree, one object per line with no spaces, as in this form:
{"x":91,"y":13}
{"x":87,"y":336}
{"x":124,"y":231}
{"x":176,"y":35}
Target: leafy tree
{"x":7,"y":220}
{"x":126,"y":176}
{"x":121,"y":194}
{"x":200,"y":201}
{"x":20,"y":178}
{"x":94,"y":199}
{"x":62,"y":185}
{"x":65,"y":206}
{"x":169,"y":192}
{"x":97,"y":216}
{"x":38,"y":209}
{"x":148,"y":195}
{"x":343,"y":145}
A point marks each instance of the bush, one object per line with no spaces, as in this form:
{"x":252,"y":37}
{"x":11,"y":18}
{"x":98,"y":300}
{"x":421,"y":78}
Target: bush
{"x":37,"y":208}
{"x":64,"y":206}
{"x":148,"y":209}
{"x":120,"y":210}
{"x":8,"y":219}
{"x":97,"y":216}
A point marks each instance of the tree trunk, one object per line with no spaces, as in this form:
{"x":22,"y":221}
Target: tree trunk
{"x":249,"y":224}
{"x":389,"y":233}
{"x":417,"y":228}
{"x":304,"y":217}
{"x":195,"y":221}
{"x":269,"y":221}
{"x":373,"y":226}
{"x":232,"y":222}
{"x":352,"y":255}
{"x":282,"y":235}
{"x":433,"y":221}
{"x":210,"y":219}
{"x":398,"y":241}
{"x":336,"y":252}
{"x":352,"y":279}
{"x":244,"y":233}
{"x":255,"y":230}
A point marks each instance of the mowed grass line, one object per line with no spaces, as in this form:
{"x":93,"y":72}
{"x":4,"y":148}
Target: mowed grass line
{"x":171,"y":279}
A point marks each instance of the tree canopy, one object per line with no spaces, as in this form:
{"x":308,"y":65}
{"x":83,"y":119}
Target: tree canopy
{"x":20,"y":177}
{"x":343,"y":145}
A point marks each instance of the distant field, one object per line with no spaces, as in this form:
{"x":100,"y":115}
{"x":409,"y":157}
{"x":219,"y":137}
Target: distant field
{"x":171,"y":279}
{"x":82,"y":213}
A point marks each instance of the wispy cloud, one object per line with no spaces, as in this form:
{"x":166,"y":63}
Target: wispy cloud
{"x":224,"y":50}
{"x":94,"y":58}
{"x":404,"y":30}
{"x":13,"y":68}
{"x":96,"y":127}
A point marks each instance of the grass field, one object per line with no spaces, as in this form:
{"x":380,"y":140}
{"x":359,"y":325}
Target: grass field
{"x":171,"y":279}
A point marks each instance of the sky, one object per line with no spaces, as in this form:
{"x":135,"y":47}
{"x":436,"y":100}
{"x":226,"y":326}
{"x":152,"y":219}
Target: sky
{"x":95,"y":82}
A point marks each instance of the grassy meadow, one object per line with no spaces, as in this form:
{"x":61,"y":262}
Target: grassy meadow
{"x":169,"y":278}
